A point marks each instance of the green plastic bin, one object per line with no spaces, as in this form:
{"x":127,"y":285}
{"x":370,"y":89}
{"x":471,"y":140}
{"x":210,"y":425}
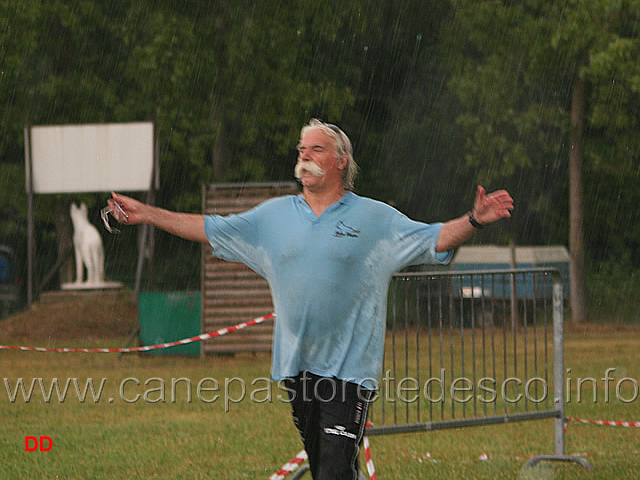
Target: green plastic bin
{"x":169,"y":316}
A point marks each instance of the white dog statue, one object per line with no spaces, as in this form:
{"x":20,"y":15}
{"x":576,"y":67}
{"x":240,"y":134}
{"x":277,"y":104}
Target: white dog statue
{"x":89,"y":250}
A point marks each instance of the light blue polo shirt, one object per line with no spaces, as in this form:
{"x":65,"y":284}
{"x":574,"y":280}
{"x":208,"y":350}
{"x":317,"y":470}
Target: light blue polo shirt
{"x":329,"y":277}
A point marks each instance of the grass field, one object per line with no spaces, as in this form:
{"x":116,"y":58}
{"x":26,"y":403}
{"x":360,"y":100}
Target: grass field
{"x":143,"y":427}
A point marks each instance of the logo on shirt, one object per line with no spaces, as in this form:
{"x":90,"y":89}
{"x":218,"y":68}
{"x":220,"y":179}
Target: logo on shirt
{"x":343,"y":230}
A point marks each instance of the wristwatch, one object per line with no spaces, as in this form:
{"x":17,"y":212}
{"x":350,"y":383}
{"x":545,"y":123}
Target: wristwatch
{"x":474,"y":222}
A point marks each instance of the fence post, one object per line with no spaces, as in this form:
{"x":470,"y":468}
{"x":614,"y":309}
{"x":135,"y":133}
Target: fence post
{"x":460,"y":292}
{"x":558,"y":362}
{"x":558,"y":380}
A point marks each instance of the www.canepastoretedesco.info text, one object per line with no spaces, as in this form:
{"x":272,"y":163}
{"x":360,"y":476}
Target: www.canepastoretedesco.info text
{"x":390,"y":389}
{"x":134,"y":390}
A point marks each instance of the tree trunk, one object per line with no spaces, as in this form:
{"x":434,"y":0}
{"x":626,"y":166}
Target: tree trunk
{"x":220,"y":157}
{"x":576,"y":210}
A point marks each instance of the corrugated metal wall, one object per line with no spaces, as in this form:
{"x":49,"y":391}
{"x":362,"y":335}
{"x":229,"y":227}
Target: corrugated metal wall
{"x":231,"y":292}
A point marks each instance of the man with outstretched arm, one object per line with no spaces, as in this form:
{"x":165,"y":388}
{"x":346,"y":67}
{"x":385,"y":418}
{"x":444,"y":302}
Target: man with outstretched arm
{"x":328,"y":255}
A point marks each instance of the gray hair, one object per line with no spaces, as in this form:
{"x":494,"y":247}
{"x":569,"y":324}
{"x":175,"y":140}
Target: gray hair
{"x":343,"y":148}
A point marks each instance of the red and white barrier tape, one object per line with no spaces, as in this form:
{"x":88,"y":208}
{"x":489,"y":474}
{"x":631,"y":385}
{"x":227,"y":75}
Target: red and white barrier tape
{"x":198,"y":338}
{"x":610,"y":423}
{"x":290,"y":467}
{"x":367,"y":453}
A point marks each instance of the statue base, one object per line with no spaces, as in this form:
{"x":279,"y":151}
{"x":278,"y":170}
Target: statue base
{"x":91,"y":286}
{"x":72,"y":292}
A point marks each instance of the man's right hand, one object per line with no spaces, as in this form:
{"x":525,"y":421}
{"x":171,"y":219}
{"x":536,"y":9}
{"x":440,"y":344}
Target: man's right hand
{"x":126,"y":210}
{"x":130,"y":211}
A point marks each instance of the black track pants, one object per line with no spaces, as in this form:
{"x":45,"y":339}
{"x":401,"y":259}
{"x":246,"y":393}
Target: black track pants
{"x":330,"y":415}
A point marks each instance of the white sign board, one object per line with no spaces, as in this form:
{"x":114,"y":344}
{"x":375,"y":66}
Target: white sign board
{"x":91,"y":158}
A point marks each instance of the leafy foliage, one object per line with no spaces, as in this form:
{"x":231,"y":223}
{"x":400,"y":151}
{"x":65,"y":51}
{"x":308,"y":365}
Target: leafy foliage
{"x":436,"y":97}
{"x":513,"y":76}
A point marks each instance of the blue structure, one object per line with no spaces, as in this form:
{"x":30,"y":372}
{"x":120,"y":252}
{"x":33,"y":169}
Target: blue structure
{"x":9,"y":289}
{"x":4,"y":269}
{"x":492,"y":257}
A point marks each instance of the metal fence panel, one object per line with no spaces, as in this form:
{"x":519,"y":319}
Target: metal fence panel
{"x":472,"y":348}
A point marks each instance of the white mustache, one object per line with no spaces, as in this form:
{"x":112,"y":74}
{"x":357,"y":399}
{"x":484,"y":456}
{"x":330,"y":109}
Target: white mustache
{"x":308,"y":166}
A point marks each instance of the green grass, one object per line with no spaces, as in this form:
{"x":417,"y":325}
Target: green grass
{"x":252,"y":439}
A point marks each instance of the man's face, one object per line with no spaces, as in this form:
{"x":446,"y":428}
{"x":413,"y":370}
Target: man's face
{"x":318,"y":166}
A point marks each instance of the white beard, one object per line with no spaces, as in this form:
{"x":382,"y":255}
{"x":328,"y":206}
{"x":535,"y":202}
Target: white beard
{"x":310,"y":167}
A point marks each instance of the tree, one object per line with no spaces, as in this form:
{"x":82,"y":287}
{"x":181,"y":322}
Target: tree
{"x":529,"y":84}
{"x":227,"y":84}
{"x":471,"y":91}
{"x":18,"y":32}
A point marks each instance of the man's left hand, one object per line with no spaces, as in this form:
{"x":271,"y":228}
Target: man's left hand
{"x":490,"y":207}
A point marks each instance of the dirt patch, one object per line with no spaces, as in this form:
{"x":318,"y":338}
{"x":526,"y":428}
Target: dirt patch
{"x":93,"y":316}
{"x":109,"y":315}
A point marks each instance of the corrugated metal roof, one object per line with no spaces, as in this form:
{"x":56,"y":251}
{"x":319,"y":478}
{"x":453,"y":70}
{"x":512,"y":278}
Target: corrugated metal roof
{"x":494,"y":254}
